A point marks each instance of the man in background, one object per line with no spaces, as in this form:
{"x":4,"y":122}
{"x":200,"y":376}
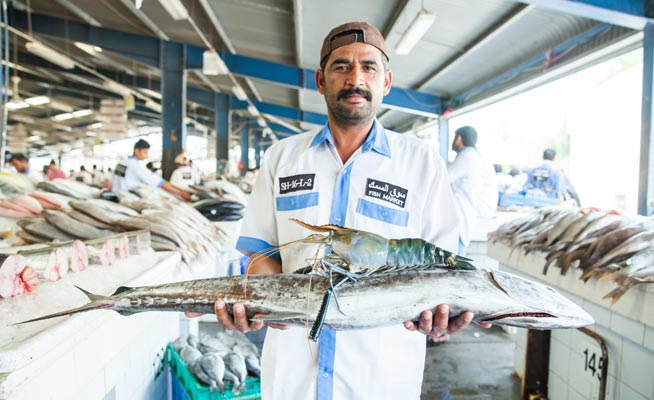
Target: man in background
{"x":474,"y":184}
{"x":54,"y":172}
{"x":183,"y":175}
{"x":22,"y":165}
{"x":131,"y":172}
{"x":547,"y":177}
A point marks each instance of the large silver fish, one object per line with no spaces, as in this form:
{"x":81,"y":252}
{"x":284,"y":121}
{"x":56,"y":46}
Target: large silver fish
{"x":379,"y":300}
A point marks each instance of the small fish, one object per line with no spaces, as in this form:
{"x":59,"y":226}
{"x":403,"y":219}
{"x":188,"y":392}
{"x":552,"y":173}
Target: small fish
{"x":235,"y":363}
{"x":214,"y":366}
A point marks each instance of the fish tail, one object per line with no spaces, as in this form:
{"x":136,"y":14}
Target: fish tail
{"x":97,"y":302}
{"x":616,"y":293}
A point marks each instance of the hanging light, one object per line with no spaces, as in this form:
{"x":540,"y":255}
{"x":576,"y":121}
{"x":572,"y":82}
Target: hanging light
{"x":421,"y":23}
{"x":43,"y":51}
{"x":37,"y":101}
{"x":88,"y":48}
{"x":212,"y":64}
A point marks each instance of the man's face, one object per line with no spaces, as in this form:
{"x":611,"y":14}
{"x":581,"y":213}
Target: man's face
{"x":141,"y":154}
{"x":354,"y":82}
{"x":457,"y":144}
{"x":20,"y":165}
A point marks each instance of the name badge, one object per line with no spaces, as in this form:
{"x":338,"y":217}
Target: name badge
{"x":387,"y":192}
{"x":296,"y":182}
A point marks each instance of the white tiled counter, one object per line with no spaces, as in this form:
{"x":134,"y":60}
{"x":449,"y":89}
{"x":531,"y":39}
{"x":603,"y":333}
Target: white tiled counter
{"x":627,"y":328}
{"x":93,"y":355}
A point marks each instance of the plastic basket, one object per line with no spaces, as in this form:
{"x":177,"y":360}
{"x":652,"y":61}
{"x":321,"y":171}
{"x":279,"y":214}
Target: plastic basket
{"x":197,"y":391}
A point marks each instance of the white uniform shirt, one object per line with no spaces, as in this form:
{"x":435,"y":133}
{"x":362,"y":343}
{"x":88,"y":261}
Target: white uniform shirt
{"x":34,"y":175}
{"x":183,"y":176}
{"x":393,"y":185}
{"x":130,"y":173}
{"x":475,"y":189}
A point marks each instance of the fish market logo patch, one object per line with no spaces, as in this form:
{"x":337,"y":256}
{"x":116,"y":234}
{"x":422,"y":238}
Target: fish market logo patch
{"x":296,"y":182}
{"x":387,"y":192}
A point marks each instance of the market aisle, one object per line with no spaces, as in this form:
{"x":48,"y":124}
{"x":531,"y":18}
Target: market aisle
{"x":476,"y":364}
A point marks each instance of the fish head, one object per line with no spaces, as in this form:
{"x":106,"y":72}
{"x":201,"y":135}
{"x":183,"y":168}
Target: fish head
{"x":551,"y":310}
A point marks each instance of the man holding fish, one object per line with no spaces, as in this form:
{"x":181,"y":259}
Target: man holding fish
{"x":353,"y":173}
{"x":130,"y":173}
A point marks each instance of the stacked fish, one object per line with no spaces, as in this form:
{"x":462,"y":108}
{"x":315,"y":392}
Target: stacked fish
{"x":219,"y":189}
{"x":603,"y":245}
{"x":12,"y":183}
{"x":69,"y":188}
{"x":229,"y":356}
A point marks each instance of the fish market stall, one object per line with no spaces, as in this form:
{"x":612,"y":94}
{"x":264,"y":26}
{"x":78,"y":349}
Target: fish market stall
{"x":605,"y":361}
{"x":100,"y":354}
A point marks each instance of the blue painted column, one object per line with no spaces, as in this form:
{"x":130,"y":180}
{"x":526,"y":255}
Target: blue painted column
{"x":221,"y":108}
{"x":245,"y":147}
{"x":646,"y":171}
{"x":443,"y":137}
{"x":257,"y":148}
{"x":173,"y":102}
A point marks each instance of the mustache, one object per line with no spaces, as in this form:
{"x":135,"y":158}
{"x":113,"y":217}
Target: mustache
{"x":354,"y":90}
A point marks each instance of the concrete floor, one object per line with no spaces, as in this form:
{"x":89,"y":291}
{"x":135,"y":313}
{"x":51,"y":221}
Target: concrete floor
{"x":475,"y":364}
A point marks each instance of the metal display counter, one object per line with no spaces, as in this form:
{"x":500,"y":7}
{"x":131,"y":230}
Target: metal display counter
{"x":576,"y":362}
{"x":93,"y":355}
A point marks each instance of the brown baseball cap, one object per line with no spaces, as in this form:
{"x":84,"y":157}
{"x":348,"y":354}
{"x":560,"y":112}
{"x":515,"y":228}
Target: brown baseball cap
{"x":352,"y":32}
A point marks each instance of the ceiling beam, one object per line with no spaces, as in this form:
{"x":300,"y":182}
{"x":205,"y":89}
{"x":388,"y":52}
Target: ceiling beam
{"x":79,"y":12}
{"x":632,"y":14}
{"x":462,"y":99}
{"x":144,"y":19}
{"x":147,"y":50}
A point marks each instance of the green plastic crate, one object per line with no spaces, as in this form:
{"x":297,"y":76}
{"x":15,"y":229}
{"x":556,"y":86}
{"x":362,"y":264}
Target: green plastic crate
{"x":198,"y":391}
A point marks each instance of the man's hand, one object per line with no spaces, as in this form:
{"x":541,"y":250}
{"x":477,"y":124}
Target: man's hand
{"x":438,"y":325}
{"x":240,"y":320}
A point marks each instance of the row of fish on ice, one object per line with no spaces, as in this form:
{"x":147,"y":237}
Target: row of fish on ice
{"x":600,"y":244}
{"x":64,"y":210}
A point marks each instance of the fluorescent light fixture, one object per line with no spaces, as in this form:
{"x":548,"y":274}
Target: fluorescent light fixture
{"x":253,"y":110}
{"x":43,"y":51}
{"x":261,"y":122}
{"x":116,"y":87}
{"x":239,"y":93}
{"x":153,"y":105}
{"x":416,"y":31}
{"x":60,"y":106}
{"x":89,"y":48}
{"x":33,"y":138}
{"x":64,"y":128}
{"x":63,"y":117}
{"x":16,"y":103}
{"x":175,"y":8}
{"x":96,"y":125}
{"x":82,"y":113}
{"x":22,"y":118}
{"x":38,"y":100}
{"x":212,"y":64}
{"x":151,"y":93}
